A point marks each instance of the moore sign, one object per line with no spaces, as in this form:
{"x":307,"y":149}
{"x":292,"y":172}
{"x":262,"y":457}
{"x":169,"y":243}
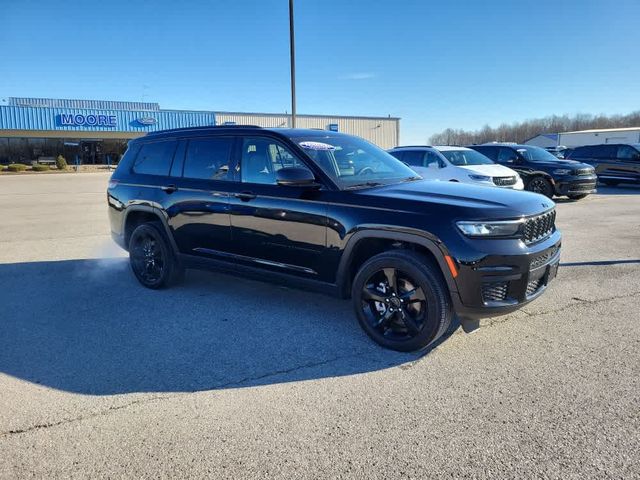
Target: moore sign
{"x":80,"y":120}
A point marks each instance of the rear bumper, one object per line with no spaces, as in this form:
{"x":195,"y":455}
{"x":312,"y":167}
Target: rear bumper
{"x":498,"y":285}
{"x":580,"y":185}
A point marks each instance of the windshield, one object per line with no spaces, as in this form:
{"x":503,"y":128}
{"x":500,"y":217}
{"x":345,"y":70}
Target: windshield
{"x":352,"y":162}
{"x":537,"y":154}
{"x":460,"y":158}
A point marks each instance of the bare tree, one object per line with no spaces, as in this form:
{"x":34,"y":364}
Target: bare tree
{"x":522,"y":131}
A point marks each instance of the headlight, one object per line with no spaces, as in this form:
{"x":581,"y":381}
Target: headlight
{"x":480,"y":178}
{"x":562,"y":171}
{"x":506,"y":228}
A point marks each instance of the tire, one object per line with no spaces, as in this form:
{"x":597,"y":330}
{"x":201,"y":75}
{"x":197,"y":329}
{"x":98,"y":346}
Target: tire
{"x":151,"y":257}
{"x":578,"y":197}
{"x":540,"y":185}
{"x":396,"y":318}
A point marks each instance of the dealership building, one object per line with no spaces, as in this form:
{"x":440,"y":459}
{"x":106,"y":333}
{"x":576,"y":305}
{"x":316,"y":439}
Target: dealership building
{"x":97,"y":131}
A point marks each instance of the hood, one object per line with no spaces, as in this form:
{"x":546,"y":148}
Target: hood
{"x":490,"y":170}
{"x":561,"y":163}
{"x":488,"y":203}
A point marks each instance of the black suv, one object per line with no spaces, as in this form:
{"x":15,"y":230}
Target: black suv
{"x":614,"y":163}
{"x":543,"y":172}
{"x":330,"y":211}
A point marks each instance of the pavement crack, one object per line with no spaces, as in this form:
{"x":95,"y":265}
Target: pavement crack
{"x":44,"y":426}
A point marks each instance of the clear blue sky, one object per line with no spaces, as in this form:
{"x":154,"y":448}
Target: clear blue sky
{"x":436,"y":64}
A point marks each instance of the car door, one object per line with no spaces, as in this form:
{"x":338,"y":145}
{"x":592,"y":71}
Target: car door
{"x":280,"y":228}
{"x":199,"y":210}
{"x":603,"y":158}
{"x":627,"y":164}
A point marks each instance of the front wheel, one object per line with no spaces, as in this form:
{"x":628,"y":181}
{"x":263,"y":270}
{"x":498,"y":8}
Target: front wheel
{"x":401,"y":300}
{"x":540,"y":185}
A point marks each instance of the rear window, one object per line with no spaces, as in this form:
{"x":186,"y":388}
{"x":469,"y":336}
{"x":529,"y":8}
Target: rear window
{"x":208,"y":158}
{"x":155,"y":158}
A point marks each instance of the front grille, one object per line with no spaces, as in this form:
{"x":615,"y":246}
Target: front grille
{"x":494,"y":291}
{"x":544,"y":258}
{"x":533,"y":286}
{"x":584,"y":171}
{"x":504,"y":181}
{"x":582,"y":187}
{"x":539,"y":227}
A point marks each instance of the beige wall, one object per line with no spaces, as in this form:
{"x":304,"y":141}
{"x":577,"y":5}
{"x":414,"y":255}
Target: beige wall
{"x":383,"y":131}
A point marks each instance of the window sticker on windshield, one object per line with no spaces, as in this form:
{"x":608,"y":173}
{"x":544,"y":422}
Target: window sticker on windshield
{"x":317,"y":146}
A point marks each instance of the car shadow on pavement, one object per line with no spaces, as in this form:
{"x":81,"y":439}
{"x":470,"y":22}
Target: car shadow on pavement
{"x":624,"y":189}
{"x":86,"y":326}
{"x":599,"y":263}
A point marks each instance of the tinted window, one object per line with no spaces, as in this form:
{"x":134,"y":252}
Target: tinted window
{"x":155,"y":158}
{"x":604,"y":151}
{"x":582,"y":152}
{"x":506,"y":154}
{"x":262,"y":158}
{"x":625,"y":152}
{"x":415,"y":158}
{"x":491,"y":152}
{"x":398,"y":154}
{"x":208,"y":158}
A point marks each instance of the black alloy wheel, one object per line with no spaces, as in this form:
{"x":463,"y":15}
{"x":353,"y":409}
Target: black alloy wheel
{"x":401,"y":300}
{"x":151,"y":257}
{"x":540,"y":185}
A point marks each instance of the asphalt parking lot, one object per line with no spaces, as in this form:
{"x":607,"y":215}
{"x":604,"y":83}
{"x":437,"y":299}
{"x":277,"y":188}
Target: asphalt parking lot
{"x":223,"y":377}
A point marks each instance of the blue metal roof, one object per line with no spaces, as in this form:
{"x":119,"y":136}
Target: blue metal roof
{"x":98,"y":119}
{"x":68,"y":103}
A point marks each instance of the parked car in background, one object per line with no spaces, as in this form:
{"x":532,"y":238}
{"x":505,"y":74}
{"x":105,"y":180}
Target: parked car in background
{"x":614,"y":163}
{"x":333,"y":212}
{"x":457,"y":164}
{"x":560,"y":151}
{"x":543,"y":172}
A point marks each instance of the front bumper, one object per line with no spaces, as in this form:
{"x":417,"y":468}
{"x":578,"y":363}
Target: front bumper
{"x":576,"y":185}
{"x":500,"y":284}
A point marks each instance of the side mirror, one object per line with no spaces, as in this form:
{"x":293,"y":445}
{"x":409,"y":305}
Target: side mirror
{"x":295,"y":177}
{"x":433,"y":166}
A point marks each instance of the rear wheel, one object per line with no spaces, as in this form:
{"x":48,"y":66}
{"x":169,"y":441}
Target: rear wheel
{"x":401,"y":300}
{"x":540,"y":185}
{"x":151,"y":257}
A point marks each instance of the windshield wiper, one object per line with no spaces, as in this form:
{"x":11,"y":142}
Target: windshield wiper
{"x":363,"y":185}
{"x":412,"y":179}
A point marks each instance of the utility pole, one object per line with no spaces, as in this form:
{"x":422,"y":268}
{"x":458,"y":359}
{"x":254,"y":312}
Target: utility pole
{"x":292,"y":54}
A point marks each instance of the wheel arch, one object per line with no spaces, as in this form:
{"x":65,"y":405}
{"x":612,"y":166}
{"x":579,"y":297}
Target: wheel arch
{"x":138,"y":214}
{"x":374,"y":241}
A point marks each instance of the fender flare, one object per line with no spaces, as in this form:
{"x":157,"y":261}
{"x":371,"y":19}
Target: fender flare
{"x":432,"y":244}
{"x":162,"y":218}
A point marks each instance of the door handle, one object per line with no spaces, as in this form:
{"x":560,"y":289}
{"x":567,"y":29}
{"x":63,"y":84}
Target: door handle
{"x":245,"y":196}
{"x":169,"y":188}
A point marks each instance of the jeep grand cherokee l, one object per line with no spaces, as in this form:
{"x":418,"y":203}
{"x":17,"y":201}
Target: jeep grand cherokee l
{"x":330,"y":211}
{"x":543,"y":172}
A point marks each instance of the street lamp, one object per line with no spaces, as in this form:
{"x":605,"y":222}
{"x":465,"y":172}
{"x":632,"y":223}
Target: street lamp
{"x":292,"y":55}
